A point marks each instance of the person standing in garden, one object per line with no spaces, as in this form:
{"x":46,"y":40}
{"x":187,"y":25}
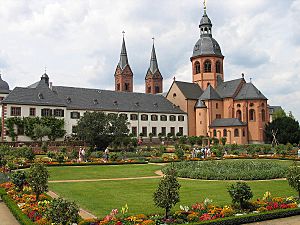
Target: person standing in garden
{"x":83,"y":155}
{"x":106,"y":154}
{"x":79,"y":155}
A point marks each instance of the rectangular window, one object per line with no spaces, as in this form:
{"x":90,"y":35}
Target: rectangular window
{"x":181,"y":130}
{"x":134,"y":131}
{"x":15,"y":111}
{"x":133,"y":117}
{"x":74,"y":129}
{"x":144,"y":117}
{"x":163,"y":131}
{"x":46,"y":112}
{"x":172,"y":118}
{"x":59,"y":112}
{"x":180,"y":118}
{"x":217,"y":105}
{"x":154,"y":131}
{"x":75,"y":115}
{"x":154,"y":117}
{"x":172,"y":131}
{"x":123,"y":115}
{"x":218,"y":116}
{"x":144,"y":131}
{"x":32,"y":111}
{"x":163,"y":118}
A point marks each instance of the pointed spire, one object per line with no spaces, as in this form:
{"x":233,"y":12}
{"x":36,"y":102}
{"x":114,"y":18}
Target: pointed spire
{"x":153,"y":62}
{"x":123,"y":56}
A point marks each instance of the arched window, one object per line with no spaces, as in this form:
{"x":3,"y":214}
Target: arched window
{"x":197,"y":67}
{"x":252,"y":115}
{"x":263,"y":115}
{"x":215,"y":133}
{"x":236,"y":132}
{"x":126,"y":86}
{"x":207,"y":66}
{"x":218,"y":67}
{"x":157,"y":90}
{"x":224,"y":133}
{"x":239,"y":114}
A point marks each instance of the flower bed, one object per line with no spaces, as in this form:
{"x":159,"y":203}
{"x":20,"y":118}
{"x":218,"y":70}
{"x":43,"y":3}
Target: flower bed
{"x":207,"y":213}
{"x":231,"y":170}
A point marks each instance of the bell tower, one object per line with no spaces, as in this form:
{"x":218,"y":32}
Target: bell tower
{"x":123,"y":73}
{"x":153,"y":79}
{"x":207,"y":59}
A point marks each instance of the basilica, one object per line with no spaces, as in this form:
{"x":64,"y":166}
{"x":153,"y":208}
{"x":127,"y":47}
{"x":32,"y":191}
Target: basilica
{"x":209,"y":106}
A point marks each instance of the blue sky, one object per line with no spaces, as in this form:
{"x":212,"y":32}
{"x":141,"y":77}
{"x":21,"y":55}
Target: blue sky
{"x":79,"y":41}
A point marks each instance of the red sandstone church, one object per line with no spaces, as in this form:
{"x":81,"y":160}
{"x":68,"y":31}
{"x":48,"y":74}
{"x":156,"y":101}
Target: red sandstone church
{"x":233,"y":109}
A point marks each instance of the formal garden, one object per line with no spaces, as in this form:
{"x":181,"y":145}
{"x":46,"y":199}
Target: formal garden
{"x":120,"y":179}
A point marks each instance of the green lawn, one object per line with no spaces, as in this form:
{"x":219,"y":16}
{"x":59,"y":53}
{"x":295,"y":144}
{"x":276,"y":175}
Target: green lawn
{"x":102,"y":196}
{"x":101,"y":172}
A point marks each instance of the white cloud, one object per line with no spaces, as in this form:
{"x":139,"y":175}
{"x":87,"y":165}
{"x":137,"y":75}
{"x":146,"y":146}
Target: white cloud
{"x":79,"y":41}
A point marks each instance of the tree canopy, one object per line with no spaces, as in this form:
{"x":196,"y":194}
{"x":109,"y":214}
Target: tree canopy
{"x":98,"y":128}
{"x":287,"y":129}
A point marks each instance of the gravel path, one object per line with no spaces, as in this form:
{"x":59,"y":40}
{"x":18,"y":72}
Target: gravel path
{"x":6,"y":218}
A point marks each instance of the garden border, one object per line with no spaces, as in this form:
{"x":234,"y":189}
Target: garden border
{"x":14,"y":209}
{"x":251,"y":218}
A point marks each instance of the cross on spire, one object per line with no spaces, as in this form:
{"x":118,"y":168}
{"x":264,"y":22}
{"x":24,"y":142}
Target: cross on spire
{"x":204,"y":4}
{"x":123,"y":32}
{"x":45,"y":69}
{"x":153,"y":39}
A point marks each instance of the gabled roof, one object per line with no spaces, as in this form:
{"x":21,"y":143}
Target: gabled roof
{"x":200,"y":104}
{"x":189,"y":90}
{"x":227,"y":122}
{"x":39,"y":95}
{"x":210,"y":94}
{"x":95,"y":99}
{"x":227,"y":89}
{"x":249,"y":92}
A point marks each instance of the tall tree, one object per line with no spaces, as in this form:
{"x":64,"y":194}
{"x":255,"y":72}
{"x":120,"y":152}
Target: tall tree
{"x":98,"y":128}
{"x":287,"y":128}
{"x":38,"y":179}
{"x":167,"y":193}
{"x":279,"y":114}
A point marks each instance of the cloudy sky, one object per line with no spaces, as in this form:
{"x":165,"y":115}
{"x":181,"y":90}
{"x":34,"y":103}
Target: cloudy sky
{"x":79,"y":41}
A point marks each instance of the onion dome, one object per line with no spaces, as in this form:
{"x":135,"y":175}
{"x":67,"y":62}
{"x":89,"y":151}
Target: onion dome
{"x":4,"y":87}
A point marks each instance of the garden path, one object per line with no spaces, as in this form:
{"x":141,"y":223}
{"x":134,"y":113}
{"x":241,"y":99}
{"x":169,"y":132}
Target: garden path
{"x":6,"y":217}
{"x":293,"y":220}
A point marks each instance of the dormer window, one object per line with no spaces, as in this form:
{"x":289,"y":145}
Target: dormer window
{"x":40,"y":96}
{"x":137,"y":104}
{"x":115,"y":102}
{"x":69,"y":100}
{"x":95,"y":101}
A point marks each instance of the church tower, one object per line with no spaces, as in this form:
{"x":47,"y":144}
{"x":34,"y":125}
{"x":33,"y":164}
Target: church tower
{"x":207,"y":59}
{"x":123,"y":73}
{"x":153,"y":79}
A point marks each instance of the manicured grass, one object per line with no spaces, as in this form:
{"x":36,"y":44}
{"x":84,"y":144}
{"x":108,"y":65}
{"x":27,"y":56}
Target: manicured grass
{"x":100,"y":197}
{"x":102,"y":172}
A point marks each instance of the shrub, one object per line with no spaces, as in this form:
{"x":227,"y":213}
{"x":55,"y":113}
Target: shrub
{"x":38,"y":178}
{"x":293,"y":177}
{"x":63,"y":212}
{"x":240,"y":193}
{"x":179,"y":152}
{"x":26,"y":153}
{"x":60,"y":157}
{"x":167,"y":193}
{"x":3,"y":178}
{"x":51,"y":154}
{"x":19,"y":179}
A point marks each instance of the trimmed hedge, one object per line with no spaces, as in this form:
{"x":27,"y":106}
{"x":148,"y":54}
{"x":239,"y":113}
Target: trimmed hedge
{"x":15,"y":210}
{"x":87,"y":164}
{"x":251,"y":218}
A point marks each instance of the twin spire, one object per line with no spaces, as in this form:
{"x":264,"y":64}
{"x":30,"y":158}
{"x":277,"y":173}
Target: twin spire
{"x":124,"y":75}
{"x":124,"y":58}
